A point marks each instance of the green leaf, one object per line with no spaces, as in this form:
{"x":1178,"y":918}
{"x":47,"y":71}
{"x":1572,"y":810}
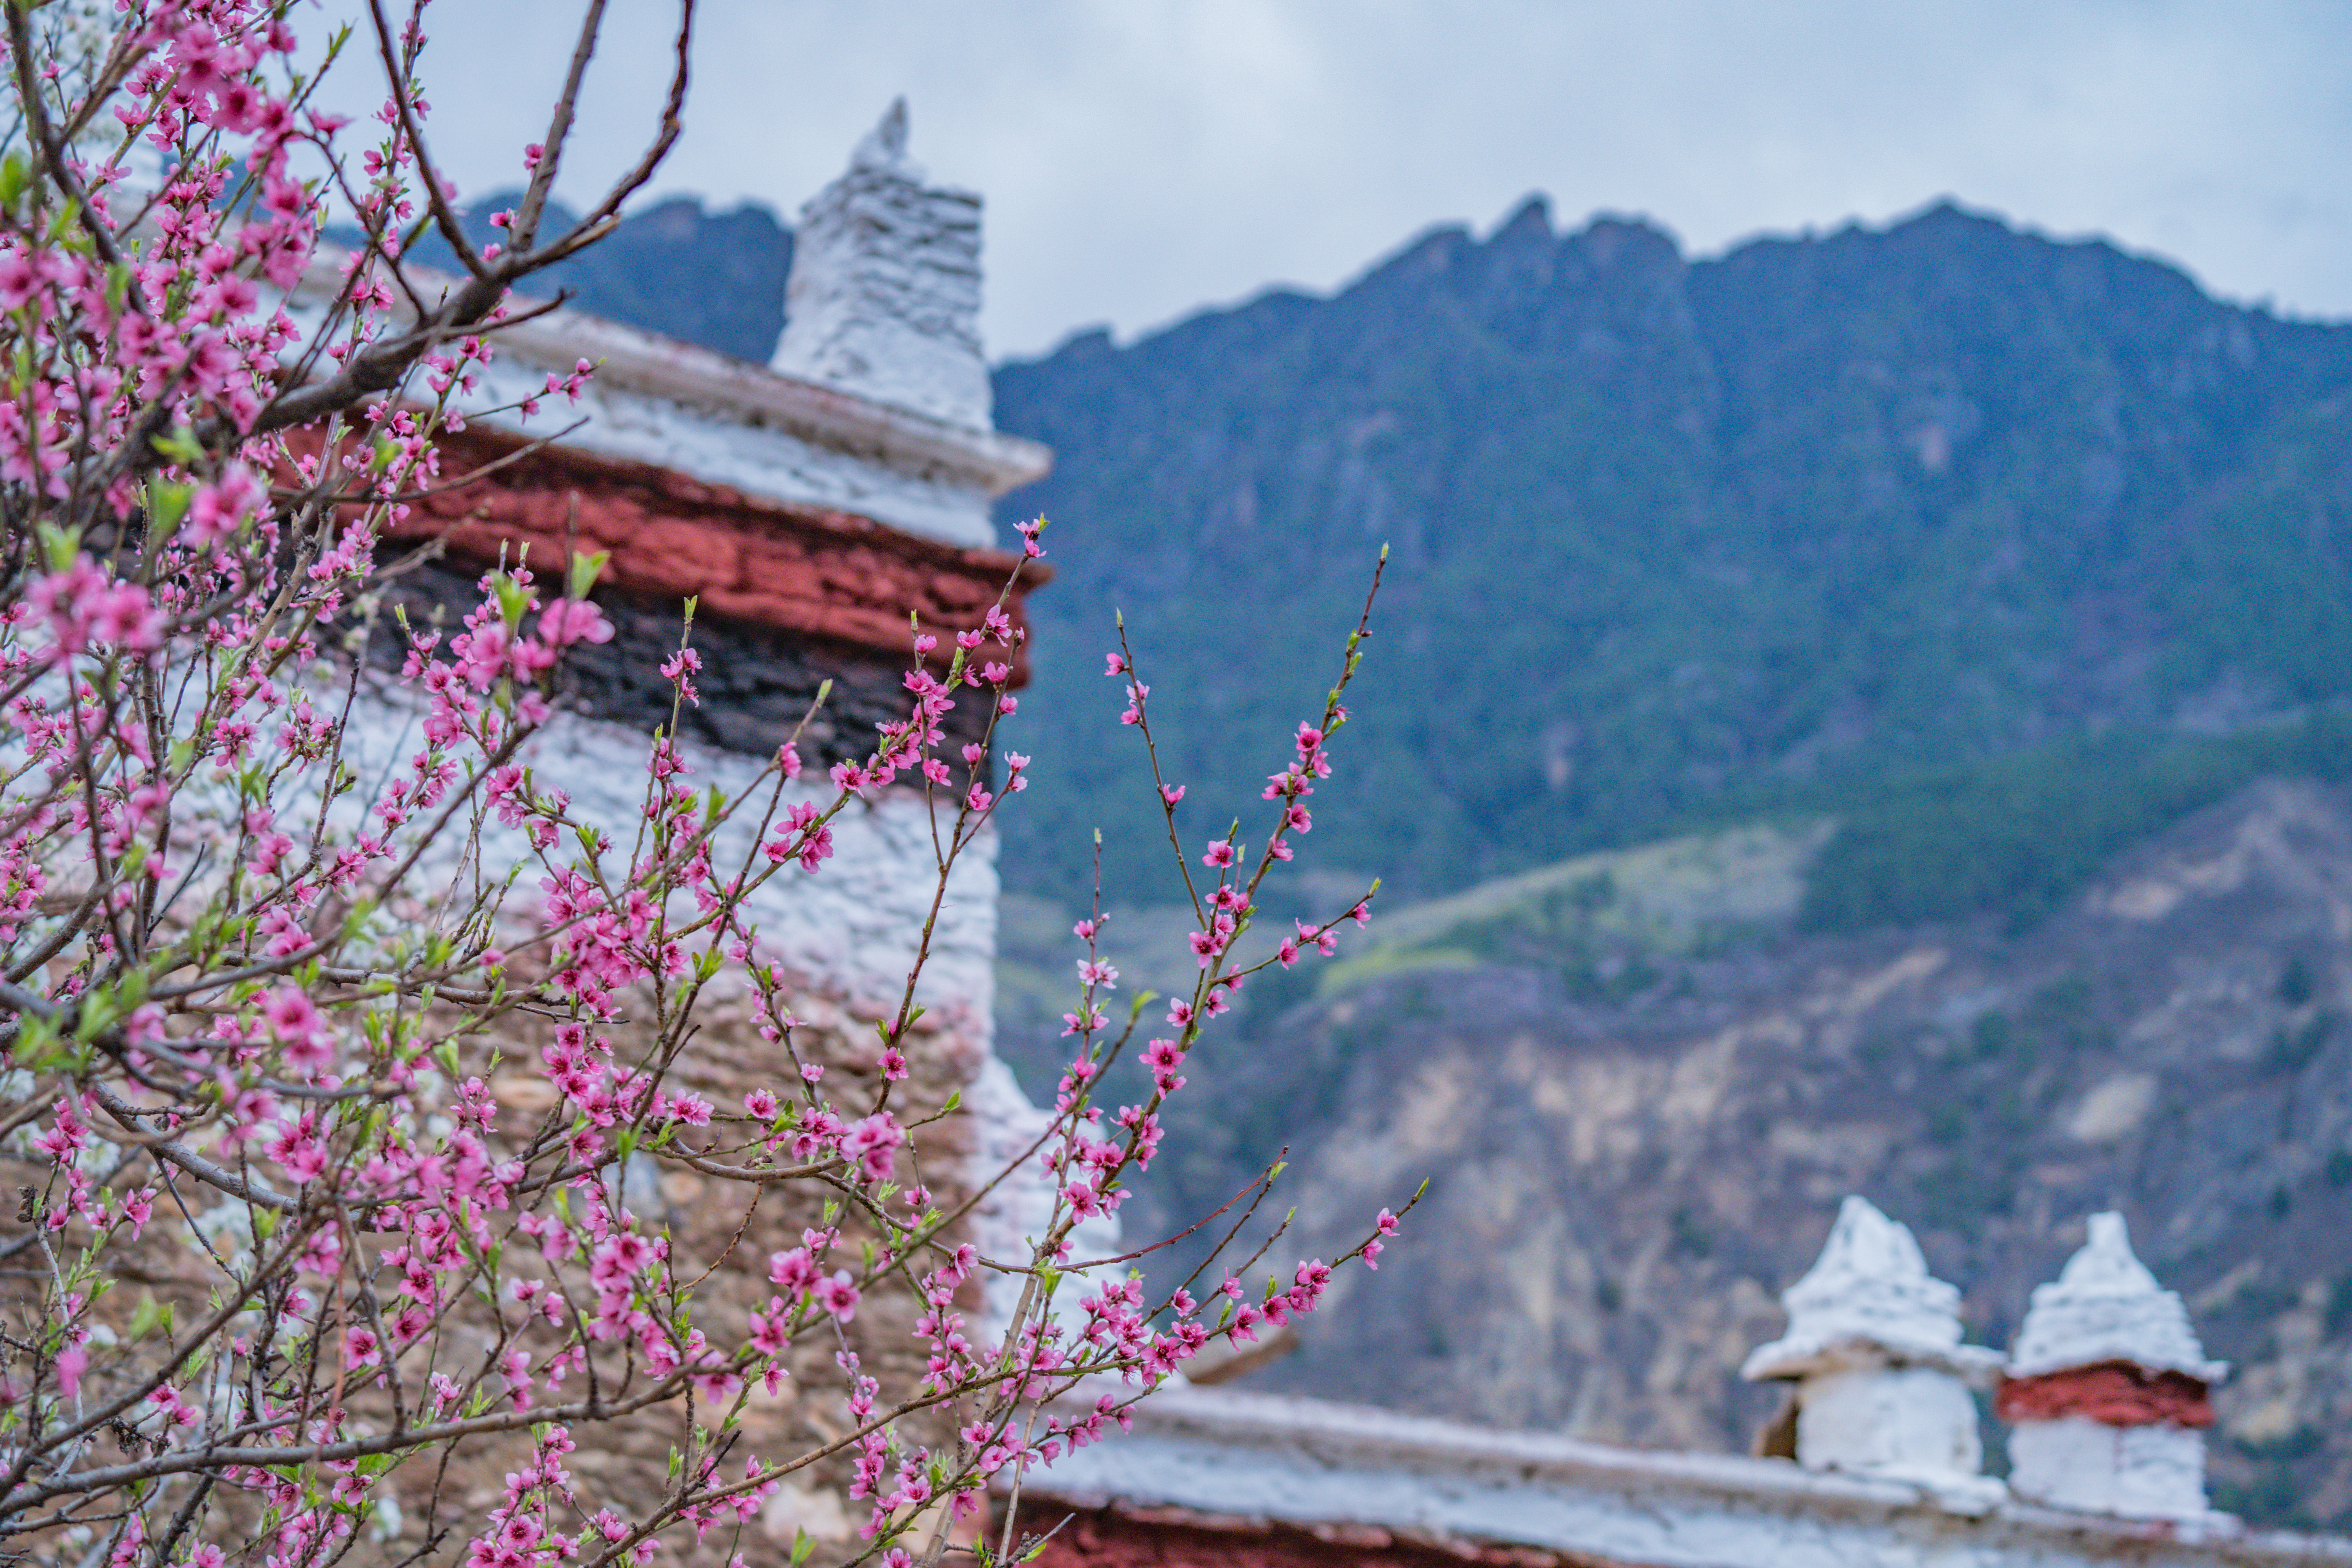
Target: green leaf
{"x":167,"y":503}
{"x":586,"y":570}
{"x":513,"y":599}
{"x":179,"y":445}
{"x":97,"y":1011}
{"x":60,"y":545}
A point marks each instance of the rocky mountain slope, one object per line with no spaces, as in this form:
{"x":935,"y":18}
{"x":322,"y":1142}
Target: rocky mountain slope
{"x":1640,"y":1094}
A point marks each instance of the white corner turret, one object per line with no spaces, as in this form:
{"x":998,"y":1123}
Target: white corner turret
{"x":2107,"y":1389}
{"x":884,"y":297}
{"x":1873,"y":1346}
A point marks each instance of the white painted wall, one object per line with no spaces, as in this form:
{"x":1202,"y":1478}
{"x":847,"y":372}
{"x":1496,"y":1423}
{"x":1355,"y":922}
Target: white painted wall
{"x":854,"y":926}
{"x":720,"y":446}
{"x":2138,"y":1472}
{"x":1914,"y":1421}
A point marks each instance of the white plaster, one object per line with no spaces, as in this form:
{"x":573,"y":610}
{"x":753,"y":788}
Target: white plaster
{"x":1869,"y":1299}
{"x":1916,"y":1422}
{"x":759,"y":459}
{"x":854,"y":925}
{"x":919,"y":465}
{"x":2106,"y":1306}
{"x":883,"y":299}
{"x":2138,"y":1472}
{"x":674,"y":405}
{"x":1225,"y":1452}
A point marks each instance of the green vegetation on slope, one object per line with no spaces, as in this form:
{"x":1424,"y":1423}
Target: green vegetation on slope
{"x":1820,"y":516}
{"x":2017,"y":836}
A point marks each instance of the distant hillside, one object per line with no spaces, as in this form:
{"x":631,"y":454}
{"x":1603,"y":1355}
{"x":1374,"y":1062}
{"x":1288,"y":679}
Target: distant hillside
{"x":1640,"y":1094}
{"x":1675,"y":539}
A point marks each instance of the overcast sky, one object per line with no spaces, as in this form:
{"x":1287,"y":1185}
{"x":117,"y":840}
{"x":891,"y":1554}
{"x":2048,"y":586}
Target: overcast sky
{"x":1141,"y":158}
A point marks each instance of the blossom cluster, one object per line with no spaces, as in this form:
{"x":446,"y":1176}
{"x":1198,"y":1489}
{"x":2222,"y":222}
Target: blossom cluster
{"x":269,"y":995}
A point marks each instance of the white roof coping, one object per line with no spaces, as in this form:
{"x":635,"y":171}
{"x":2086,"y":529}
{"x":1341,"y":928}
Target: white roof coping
{"x":2105,"y":1306}
{"x":1868,"y":1297}
{"x":688,"y":374}
{"x":700,"y":378}
{"x":1272,"y":1458}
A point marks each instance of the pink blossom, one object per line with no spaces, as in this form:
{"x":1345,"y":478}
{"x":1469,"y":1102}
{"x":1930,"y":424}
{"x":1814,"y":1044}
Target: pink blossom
{"x":619,"y":1258}
{"x":568,"y":621}
{"x":793,"y":1271}
{"x":873,"y":1142}
{"x":299,"y":1027}
{"x":771,"y":1330}
{"x":322,"y":925}
{"x":837,"y":1296}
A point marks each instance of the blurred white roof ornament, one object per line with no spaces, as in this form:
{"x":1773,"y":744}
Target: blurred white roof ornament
{"x":2105,"y":1306}
{"x":1874,"y":1347}
{"x":884,"y":297}
{"x":2107,"y":1389}
{"x":1869,"y":1296}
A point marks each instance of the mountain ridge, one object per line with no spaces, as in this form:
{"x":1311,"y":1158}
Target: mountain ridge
{"x":1746,"y":530}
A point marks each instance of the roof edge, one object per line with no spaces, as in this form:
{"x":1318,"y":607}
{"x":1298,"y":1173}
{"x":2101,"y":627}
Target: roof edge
{"x":694,"y":377}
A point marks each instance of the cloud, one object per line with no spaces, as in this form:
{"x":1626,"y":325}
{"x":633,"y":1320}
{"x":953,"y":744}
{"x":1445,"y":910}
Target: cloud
{"x":1142,"y":157}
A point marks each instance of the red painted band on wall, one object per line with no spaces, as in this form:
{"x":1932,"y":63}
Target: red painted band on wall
{"x":2115,"y":1394}
{"x":819,"y":573}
